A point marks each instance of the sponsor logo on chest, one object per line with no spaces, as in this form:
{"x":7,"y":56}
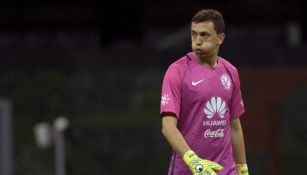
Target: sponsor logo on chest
{"x":219,"y":133}
{"x":215,"y":111}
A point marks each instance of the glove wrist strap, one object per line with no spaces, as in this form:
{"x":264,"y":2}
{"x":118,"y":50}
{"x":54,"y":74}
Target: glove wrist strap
{"x":189,"y":156}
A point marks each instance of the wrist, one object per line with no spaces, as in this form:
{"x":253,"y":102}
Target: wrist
{"x":242,"y":168}
{"x":241,"y":165}
{"x":189,"y":156}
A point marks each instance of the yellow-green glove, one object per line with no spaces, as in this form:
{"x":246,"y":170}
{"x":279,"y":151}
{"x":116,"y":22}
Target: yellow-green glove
{"x":242,"y":169}
{"x":200,"y":166}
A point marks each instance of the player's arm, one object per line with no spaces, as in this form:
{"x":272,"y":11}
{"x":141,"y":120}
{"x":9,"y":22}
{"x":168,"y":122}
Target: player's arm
{"x":178,"y":143}
{"x":237,"y":141}
{"x":173,"y":135}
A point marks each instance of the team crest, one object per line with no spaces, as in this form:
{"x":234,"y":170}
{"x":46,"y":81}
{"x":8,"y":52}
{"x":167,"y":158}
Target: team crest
{"x":226,"y":81}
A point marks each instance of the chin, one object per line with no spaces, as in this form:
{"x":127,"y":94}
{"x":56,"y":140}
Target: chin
{"x":202,"y":53}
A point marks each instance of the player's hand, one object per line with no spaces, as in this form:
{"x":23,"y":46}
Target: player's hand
{"x":242,"y":169}
{"x":200,"y":166}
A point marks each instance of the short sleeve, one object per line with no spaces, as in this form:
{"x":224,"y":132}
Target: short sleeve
{"x":171,"y":92}
{"x":237,"y":105}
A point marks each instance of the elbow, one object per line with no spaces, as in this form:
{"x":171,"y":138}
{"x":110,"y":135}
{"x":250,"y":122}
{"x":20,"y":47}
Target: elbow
{"x":164,"y":129}
{"x":169,"y":124}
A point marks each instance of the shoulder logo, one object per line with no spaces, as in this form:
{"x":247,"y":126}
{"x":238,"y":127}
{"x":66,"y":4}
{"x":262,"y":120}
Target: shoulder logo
{"x":216,"y":106}
{"x":195,"y":83}
{"x":226,"y":81}
{"x":164,"y":99}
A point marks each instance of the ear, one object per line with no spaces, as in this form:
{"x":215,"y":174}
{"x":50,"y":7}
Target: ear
{"x":221,"y":38}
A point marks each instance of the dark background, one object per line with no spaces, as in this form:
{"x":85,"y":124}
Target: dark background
{"x":101,"y":65}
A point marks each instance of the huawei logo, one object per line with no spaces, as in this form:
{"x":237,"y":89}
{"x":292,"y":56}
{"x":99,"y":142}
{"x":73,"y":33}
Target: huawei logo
{"x":216,"y":106}
{"x":164,"y":99}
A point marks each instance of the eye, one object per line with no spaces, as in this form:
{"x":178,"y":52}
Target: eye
{"x":205,"y":34}
{"x":199,"y":168}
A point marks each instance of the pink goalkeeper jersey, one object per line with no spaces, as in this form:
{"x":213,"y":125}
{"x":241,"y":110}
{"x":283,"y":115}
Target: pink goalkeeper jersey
{"x":204,"y":100}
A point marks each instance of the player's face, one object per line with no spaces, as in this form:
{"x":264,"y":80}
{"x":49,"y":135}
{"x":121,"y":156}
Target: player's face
{"x":205,"y":40}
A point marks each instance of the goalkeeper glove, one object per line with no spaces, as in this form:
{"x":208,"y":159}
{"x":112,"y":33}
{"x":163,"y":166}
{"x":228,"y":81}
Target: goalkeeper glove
{"x":200,"y":166}
{"x":242,"y":169}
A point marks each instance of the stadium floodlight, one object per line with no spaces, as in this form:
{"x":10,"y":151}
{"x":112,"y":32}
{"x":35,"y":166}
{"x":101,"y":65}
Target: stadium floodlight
{"x":46,"y":135}
{"x":43,"y":135}
{"x":61,"y":123}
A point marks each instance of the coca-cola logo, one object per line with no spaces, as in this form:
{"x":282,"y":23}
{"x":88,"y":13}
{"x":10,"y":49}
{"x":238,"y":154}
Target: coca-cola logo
{"x":214,"y":134}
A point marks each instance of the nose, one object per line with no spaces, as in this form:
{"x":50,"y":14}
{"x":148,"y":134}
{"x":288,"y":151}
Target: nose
{"x":198,"y":40}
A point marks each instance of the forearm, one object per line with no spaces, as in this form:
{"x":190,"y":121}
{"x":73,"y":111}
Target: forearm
{"x":178,"y":143}
{"x":174,"y":137}
{"x":237,"y":141}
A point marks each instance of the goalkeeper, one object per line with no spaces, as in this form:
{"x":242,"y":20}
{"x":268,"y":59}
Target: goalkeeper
{"x":201,"y":105}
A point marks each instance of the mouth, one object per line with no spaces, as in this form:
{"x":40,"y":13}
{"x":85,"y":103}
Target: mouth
{"x":198,"y":50}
